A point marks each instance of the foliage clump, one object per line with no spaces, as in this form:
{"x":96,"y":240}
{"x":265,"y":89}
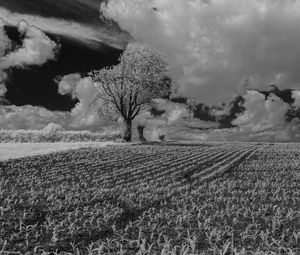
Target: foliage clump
{"x":40,"y":136}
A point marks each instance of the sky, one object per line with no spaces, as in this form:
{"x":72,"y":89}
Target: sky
{"x":81,"y":44}
{"x":223,"y":54}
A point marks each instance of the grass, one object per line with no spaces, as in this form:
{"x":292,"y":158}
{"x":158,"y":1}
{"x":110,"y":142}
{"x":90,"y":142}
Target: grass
{"x":231,"y":198}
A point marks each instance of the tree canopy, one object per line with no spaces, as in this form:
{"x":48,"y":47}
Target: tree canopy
{"x":127,"y":88}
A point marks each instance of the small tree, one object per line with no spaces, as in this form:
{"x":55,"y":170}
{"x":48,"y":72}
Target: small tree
{"x":127,"y":88}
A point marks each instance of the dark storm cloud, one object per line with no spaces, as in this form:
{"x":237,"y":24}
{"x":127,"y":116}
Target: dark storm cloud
{"x":219,"y":48}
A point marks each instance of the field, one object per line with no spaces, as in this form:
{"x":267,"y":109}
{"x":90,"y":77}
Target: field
{"x":212,"y":198}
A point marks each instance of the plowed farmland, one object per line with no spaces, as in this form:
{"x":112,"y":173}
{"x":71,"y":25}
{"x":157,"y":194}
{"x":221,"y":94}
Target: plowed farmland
{"x":211,"y":198}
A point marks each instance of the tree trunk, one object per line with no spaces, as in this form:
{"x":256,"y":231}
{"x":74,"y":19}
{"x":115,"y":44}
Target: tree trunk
{"x":140,"y":129}
{"x":127,"y":131}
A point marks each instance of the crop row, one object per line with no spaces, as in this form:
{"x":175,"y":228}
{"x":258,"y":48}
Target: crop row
{"x":220,"y":199}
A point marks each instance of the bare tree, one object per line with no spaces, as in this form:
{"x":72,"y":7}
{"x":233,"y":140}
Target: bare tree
{"x":127,"y":88}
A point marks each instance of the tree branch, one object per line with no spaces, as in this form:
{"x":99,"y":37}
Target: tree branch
{"x":137,"y":112}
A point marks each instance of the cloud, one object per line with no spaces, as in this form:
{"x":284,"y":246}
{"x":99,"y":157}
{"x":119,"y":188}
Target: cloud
{"x":171,"y":113}
{"x":5,"y":41}
{"x":84,"y":116}
{"x":88,"y":34}
{"x":261,"y":114}
{"x":30,"y":117}
{"x":3,"y":88}
{"x":68,"y":83}
{"x":84,"y":113}
{"x":5,"y":44}
{"x":218,"y":48}
{"x":296,"y":96}
{"x":171,"y":119}
{"x":264,"y":119}
{"x":37,"y":48}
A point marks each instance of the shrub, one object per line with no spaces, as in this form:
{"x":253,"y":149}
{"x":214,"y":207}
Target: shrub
{"x":162,"y":138}
{"x":40,"y":136}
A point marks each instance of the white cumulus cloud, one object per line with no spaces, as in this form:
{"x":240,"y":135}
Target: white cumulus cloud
{"x":262,"y":114}
{"x":29,"y":117}
{"x":296,"y":96}
{"x":85,"y":111}
{"x":37,"y":48}
{"x":265,"y":119}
